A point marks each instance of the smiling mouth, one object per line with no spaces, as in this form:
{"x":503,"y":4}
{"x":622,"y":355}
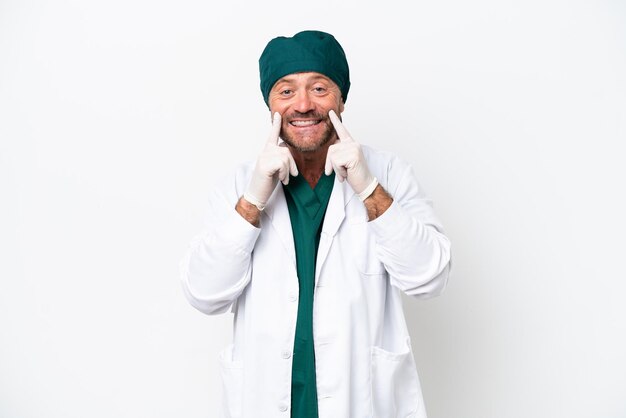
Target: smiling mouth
{"x":304,"y":123}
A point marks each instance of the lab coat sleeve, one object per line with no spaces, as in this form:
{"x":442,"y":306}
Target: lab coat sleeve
{"x":410,"y":240}
{"x":217,"y":265}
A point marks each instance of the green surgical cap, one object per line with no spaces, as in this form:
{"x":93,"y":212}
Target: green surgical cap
{"x":306,"y":51}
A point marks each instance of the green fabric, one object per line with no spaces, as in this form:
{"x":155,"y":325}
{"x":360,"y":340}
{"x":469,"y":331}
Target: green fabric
{"x":307,"y":208}
{"x":306,"y":51}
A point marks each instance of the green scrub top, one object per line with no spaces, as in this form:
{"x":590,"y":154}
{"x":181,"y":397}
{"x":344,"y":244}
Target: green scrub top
{"x":307,"y":208}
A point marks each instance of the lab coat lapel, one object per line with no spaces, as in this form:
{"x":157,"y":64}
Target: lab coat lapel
{"x":335,"y":213}
{"x":278,"y":213}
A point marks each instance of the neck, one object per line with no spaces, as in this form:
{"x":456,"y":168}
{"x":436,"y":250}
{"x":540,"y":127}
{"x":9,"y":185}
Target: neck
{"x":311,"y":164}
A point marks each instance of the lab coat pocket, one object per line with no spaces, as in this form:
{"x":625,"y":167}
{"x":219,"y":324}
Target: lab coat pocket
{"x":394,"y":384}
{"x":231,"y":372}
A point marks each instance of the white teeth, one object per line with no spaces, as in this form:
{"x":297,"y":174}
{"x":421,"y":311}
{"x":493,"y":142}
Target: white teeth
{"x":304,"y":122}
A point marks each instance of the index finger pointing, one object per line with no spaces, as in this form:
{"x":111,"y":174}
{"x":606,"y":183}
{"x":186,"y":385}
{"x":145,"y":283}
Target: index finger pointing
{"x":342,"y":132}
{"x":275,"y":132}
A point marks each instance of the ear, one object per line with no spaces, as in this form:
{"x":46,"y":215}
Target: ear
{"x":341,"y":106}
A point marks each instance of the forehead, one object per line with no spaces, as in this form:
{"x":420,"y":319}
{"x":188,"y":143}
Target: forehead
{"x":305,"y":78}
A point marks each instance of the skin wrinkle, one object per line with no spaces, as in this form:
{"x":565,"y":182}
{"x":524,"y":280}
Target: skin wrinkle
{"x":314,"y":95}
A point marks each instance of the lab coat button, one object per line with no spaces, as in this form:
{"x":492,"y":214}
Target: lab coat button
{"x":293,"y":297}
{"x":286,"y":354}
{"x":283,"y":407}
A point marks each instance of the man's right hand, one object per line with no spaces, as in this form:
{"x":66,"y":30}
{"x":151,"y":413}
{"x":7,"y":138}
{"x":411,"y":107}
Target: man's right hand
{"x":275,"y":163}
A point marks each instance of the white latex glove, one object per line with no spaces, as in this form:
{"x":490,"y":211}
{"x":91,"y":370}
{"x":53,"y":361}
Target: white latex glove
{"x":346,"y":158}
{"x":274,"y":163}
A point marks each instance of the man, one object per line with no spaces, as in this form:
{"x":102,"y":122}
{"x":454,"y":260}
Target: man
{"x":310,"y":248}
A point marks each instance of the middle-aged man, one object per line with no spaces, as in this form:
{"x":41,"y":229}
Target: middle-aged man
{"x":310,"y":247}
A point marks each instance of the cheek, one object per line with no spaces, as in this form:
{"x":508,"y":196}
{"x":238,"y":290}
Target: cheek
{"x":280,"y":108}
{"x":335,"y":102}
{"x":276,"y":105}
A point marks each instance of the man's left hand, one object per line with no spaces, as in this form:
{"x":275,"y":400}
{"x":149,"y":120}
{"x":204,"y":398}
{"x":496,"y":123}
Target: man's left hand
{"x":346,"y":158}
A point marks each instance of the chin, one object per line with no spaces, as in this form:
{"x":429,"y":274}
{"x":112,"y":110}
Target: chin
{"x":307,"y":144}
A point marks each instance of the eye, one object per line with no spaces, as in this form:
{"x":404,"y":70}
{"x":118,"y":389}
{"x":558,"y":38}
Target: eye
{"x":286,"y":92}
{"x":319,"y":89}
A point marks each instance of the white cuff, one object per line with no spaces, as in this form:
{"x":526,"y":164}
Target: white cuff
{"x":368,"y":190}
{"x":253,"y":200}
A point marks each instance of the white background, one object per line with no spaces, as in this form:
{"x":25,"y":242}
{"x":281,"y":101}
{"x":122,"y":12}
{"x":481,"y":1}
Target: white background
{"x":116,"y":117}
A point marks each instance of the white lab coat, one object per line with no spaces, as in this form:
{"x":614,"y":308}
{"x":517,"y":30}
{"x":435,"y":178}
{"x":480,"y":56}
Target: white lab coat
{"x":364,"y":361}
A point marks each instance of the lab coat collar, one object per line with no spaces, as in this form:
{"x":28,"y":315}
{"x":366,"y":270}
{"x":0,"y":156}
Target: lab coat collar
{"x":278,"y":213}
{"x":335,"y":214}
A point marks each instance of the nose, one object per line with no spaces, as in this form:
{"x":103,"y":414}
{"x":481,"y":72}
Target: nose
{"x":303,"y":102}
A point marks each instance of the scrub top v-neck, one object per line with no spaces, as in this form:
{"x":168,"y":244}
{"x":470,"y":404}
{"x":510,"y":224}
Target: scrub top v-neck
{"x":307,"y":208}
